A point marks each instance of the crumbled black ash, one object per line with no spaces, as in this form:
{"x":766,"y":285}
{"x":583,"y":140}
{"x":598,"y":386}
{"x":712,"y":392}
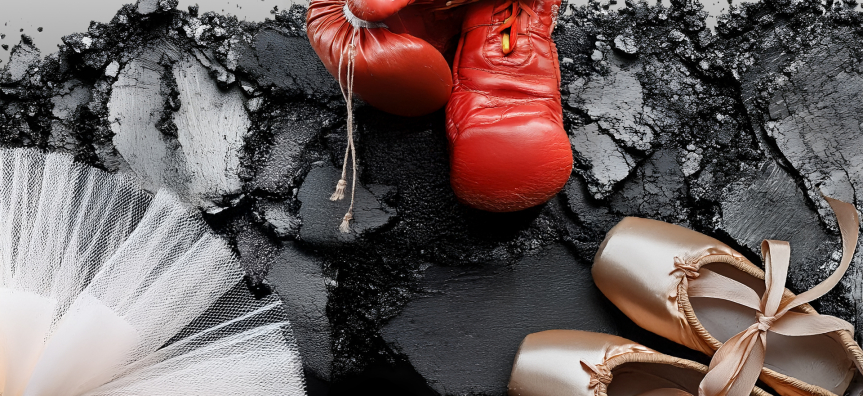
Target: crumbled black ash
{"x":735,"y":134}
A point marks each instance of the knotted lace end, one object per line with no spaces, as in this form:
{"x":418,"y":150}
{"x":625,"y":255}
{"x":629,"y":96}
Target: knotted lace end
{"x":345,"y":227}
{"x":339,"y":194}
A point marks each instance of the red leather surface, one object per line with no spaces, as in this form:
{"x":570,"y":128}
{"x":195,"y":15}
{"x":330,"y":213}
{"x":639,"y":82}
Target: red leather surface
{"x":508,"y":148}
{"x":440,"y":28}
{"x":397,"y":73}
{"x":376,"y":10}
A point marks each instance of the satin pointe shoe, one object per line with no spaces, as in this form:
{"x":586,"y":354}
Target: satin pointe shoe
{"x":698,"y":292}
{"x":581,"y":363}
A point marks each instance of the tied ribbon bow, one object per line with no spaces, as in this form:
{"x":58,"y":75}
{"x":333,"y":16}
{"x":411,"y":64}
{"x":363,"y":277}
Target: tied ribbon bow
{"x":690,"y":271}
{"x":509,"y":39}
{"x":600,"y":377}
{"x":737,"y":364}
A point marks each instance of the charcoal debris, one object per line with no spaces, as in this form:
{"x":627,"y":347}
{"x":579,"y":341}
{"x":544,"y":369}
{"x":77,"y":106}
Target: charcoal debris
{"x":625,"y":44}
{"x":735,"y":133}
{"x":23,"y":57}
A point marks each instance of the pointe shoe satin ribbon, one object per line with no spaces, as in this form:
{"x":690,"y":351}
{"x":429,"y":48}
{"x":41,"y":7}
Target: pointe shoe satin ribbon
{"x":736,"y":366}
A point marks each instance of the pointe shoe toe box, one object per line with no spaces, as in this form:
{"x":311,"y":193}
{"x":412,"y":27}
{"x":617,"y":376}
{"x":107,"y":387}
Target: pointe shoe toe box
{"x":635,"y":268}
{"x":549,"y":362}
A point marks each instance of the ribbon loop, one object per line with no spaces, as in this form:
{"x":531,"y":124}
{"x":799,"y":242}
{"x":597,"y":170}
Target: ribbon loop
{"x":736,"y":366}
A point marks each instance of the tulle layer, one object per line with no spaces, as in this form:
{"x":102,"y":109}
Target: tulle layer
{"x":105,"y":290}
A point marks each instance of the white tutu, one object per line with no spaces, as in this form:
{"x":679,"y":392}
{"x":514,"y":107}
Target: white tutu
{"x":105,"y":290}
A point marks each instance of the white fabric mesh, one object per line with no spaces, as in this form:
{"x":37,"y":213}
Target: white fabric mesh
{"x":107,"y":291}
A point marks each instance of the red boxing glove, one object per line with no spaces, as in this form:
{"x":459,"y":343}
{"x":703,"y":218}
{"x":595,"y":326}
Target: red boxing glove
{"x":508,"y":148}
{"x":376,"y":10}
{"x":395,"y":72}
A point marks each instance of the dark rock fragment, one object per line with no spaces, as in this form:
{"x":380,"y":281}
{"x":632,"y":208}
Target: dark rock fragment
{"x":321,"y":217}
{"x":462,"y":333}
{"x":279,"y":217}
{"x":281,"y":161}
{"x":67,"y":104}
{"x":588,"y":212}
{"x":625,"y":44}
{"x":298,"y":279}
{"x":657,"y":190}
{"x":286,"y":63}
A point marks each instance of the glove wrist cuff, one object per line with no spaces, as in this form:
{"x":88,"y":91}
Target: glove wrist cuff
{"x":358,"y":23}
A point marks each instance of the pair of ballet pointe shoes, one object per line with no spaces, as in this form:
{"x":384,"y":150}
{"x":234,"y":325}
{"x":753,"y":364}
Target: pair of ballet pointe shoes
{"x":698,"y":292}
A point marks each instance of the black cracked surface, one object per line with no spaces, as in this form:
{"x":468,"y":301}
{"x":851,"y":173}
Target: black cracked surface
{"x":734,"y":133}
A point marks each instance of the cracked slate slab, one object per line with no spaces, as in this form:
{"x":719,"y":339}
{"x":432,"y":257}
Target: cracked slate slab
{"x":615,"y":102}
{"x":615,"y":105}
{"x":211,"y":125}
{"x":772,"y":207}
{"x":608,"y":163}
{"x":462,"y":333}
{"x":816,"y":117}
{"x":298,"y":279}
{"x":135,"y":106}
{"x":202,"y":161}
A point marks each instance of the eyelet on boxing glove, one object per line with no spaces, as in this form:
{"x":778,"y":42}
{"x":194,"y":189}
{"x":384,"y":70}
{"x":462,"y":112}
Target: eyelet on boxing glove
{"x":397,"y":73}
{"x":508,"y":148}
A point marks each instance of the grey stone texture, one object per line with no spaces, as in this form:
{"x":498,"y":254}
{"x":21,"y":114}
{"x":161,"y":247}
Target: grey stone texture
{"x":201,"y":157}
{"x":734,"y":133}
{"x":482,"y":314}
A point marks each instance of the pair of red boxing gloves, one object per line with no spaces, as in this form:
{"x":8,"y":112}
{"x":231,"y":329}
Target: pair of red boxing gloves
{"x":508,"y":148}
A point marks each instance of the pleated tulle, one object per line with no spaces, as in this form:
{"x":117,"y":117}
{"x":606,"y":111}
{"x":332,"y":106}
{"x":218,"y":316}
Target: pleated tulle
{"x":105,"y":290}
